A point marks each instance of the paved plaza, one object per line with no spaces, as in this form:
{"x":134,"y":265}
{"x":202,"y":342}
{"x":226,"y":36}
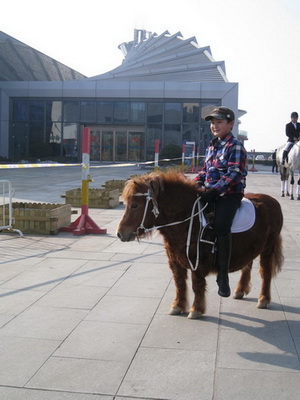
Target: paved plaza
{"x":86,"y":317}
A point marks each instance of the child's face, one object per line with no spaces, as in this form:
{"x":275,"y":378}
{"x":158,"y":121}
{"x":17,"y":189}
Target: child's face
{"x":220,"y":127}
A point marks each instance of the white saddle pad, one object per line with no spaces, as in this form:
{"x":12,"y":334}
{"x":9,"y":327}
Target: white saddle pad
{"x":244,"y":218}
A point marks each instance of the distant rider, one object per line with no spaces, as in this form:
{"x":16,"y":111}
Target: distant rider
{"x":292,"y":131}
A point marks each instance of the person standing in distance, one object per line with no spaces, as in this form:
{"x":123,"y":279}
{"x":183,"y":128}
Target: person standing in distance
{"x":274,"y":163}
{"x":222,"y":181}
{"x":292,"y":131}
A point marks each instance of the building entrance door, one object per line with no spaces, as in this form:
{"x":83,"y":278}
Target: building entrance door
{"x":135,"y":146}
{"x":117,"y":144}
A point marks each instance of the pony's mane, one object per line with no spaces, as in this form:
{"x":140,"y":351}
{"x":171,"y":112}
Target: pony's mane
{"x":162,"y":179}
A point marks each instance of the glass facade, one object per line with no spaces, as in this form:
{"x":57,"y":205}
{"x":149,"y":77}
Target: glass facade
{"x":120,"y":130}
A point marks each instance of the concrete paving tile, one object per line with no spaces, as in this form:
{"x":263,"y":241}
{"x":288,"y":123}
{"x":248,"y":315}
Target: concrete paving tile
{"x":92,"y":243}
{"x":81,"y":255}
{"x":79,"y":375}
{"x":131,"y":398}
{"x":149,"y":271}
{"x":259,"y":385}
{"x":73,"y":296}
{"x":145,"y":258}
{"x":170,"y":374}
{"x":46,"y":275}
{"x":15,"y":301}
{"x":179,"y":332}
{"x":8,"y":272}
{"x":108,"y":265}
{"x":52,"y":323}
{"x":22,"y":357}
{"x":250,"y":347}
{"x":288,"y":287}
{"x":127,"y":247}
{"x":139,"y":286}
{"x":109,"y":341}
{"x":5,"y":318}
{"x":124,"y":309}
{"x":11,"y":268}
{"x":97,"y":273}
{"x":10,"y":393}
{"x":291,"y":307}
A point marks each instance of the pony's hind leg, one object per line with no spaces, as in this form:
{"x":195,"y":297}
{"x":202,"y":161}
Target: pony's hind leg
{"x":180,"y":301}
{"x":199,"y":288}
{"x":244,"y":285}
{"x":265,"y":271}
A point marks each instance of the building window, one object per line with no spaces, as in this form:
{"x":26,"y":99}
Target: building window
{"x":37,"y":144}
{"x":121,"y":109}
{"x":54,"y":111}
{"x":155,"y":113}
{"x":36,"y":111}
{"x":71,"y":111}
{"x":190,"y":133}
{"x":70,"y":141}
{"x":20,"y":110}
{"x":88,"y":112}
{"x":172,"y":135}
{"x":172,"y":113}
{"x":137,"y":112}
{"x":153,"y":132}
{"x":104,"y":111}
{"x":191,"y":112}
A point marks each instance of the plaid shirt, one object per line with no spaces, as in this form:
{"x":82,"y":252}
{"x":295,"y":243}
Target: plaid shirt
{"x":225,"y":166}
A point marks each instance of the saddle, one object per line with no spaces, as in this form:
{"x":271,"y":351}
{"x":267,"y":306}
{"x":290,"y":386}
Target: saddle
{"x":244,"y":217}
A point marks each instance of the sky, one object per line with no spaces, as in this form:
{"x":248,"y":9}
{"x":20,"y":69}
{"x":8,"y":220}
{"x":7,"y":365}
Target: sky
{"x":257,"y":39}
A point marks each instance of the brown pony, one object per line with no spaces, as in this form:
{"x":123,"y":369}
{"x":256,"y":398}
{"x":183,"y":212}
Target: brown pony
{"x":156,"y":200}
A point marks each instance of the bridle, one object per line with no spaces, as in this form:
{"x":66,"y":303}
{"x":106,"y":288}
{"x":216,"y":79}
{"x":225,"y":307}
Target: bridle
{"x":196,"y":211}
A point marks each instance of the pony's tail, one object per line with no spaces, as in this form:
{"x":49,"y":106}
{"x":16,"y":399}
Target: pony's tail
{"x":277,"y":257}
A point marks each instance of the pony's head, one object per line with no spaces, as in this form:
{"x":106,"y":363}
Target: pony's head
{"x":140,"y":198}
{"x":148,"y":198}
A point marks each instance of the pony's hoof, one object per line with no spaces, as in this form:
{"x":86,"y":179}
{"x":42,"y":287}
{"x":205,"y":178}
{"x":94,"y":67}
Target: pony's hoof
{"x":262,"y":303}
{"x":195,"y":314}
{"x":175,"y":311}
{"x":238,"y":295}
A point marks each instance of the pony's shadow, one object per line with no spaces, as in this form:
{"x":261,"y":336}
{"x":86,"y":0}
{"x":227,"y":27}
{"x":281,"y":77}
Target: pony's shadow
{"x":281,"y":334}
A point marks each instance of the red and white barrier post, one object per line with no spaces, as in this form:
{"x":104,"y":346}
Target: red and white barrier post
{"x":84,"y":224}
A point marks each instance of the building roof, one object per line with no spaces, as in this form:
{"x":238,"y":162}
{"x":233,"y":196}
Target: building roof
{"x":166,"y":57}
{"x":19,"y":62}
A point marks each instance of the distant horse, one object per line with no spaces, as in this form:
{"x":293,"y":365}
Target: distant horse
{"x":294,"y":165}
{"x":165,"y":201}
{"x":284,"y":172}
{"x":291,"y":166}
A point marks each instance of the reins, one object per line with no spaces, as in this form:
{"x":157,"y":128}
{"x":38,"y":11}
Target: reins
{"x":199,"y":213}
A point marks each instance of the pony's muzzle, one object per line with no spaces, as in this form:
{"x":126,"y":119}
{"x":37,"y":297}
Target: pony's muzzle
{"x":129,"y":237}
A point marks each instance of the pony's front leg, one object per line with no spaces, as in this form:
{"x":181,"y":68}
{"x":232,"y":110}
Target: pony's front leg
{"x":179,"y":276}
{"x":199,"y":287}
{"x":244,"y":285}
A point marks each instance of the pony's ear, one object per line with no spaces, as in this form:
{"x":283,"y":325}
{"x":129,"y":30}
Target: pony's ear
{"x":156,"y":185}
